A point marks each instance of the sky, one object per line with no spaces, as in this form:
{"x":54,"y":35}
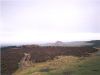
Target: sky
{"x":38,"y":21}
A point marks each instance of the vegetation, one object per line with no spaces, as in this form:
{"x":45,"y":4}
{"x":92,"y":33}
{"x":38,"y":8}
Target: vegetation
{"x":90,"y":66}
{"x":65,"y":65}
{"x":10,"y":57}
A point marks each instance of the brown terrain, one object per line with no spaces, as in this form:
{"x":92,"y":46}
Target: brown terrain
{"x":11,"y":56}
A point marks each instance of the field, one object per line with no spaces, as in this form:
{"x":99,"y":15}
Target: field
{"x":65,"y":65}
{"x":52,"y":59}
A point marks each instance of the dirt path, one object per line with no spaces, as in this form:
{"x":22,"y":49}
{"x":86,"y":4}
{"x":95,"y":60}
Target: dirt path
{"x":25,"y":61}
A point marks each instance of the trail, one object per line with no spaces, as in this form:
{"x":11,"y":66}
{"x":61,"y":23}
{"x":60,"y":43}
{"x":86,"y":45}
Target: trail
{"x":25,"y":61}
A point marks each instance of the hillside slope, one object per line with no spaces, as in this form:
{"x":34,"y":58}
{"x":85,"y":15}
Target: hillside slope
{"x":12,"y":56}
{"x":64,"y":65}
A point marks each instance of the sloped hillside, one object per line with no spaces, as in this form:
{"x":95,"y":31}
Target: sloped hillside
{"x":64,"y":65}
{"x":10,"y":57}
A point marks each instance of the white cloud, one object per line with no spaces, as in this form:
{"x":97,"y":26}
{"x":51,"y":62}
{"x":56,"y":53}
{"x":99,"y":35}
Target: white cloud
{"x":44,"y":20}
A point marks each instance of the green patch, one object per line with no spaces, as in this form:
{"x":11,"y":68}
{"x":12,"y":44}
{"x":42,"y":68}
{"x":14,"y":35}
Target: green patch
{"x":66,"y":66}
{"x":90,"y":67}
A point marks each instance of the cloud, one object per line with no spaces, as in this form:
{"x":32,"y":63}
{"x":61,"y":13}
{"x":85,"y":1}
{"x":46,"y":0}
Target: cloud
{"x":34,"y":20}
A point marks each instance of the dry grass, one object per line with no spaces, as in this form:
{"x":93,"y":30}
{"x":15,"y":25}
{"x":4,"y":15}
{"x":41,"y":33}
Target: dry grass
{"x":59,"y":63}
{"x":64,"y":65}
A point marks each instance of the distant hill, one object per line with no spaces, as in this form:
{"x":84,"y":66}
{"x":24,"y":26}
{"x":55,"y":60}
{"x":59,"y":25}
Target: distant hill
{"x":94,"y":43}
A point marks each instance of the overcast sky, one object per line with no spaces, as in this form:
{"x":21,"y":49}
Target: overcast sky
{"x":35,"y":21}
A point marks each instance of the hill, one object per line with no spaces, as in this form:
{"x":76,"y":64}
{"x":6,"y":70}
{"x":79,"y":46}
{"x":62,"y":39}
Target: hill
{"x":11,"y":55}
{"x":93,"y":43}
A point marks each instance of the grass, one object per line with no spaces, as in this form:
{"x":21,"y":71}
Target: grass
{"x":64,"y":65}
{"x":90,"y":66}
